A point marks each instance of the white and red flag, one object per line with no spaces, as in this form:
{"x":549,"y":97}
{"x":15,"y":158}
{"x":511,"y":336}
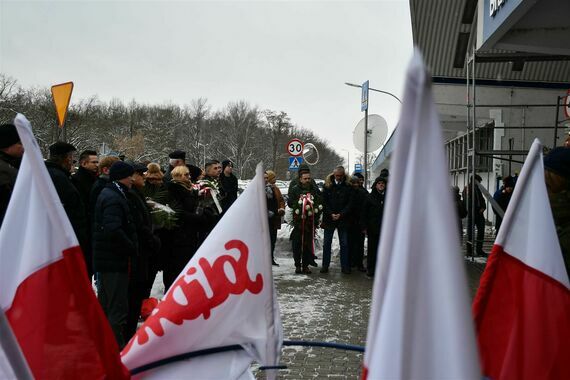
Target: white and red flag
{"x":224,"y":297}
{"x":420,"y":323}
{"x":45,"y":294}
{"x":522,"y":307}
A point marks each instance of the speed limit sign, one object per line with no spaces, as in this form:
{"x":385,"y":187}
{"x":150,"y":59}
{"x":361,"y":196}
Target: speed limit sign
{"x":295,"y":147}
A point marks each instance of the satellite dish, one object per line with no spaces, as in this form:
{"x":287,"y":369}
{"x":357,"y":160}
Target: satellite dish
{"x":377,"y":133}
{"x":310,"y":154}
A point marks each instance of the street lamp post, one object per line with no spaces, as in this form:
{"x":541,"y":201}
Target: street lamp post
{"x":366,"y":123}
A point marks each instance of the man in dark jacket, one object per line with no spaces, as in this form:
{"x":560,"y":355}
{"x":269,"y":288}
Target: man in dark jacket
{"x":337,"y":203}
{"x":100,"y":183}
{"x":355,"y":235}
{"x":371,"y":221}
{"x":115,"y":242}
{"x":478,"y":218}
{"x":59,"y":166}
{"x":83,"y":180}
{"x":229,"y":183}
{"x":144,"y":266}
{"x":11,"y":152}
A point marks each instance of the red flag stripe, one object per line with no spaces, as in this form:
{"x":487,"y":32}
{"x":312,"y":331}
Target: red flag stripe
{"x":60,"y":326}
{"x":522,"y":319}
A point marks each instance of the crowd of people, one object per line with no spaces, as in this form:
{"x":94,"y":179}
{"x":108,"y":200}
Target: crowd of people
{"x":133,"y":219}
{"x":344,"y":206}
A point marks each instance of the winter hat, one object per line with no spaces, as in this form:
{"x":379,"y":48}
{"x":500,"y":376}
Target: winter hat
{"x":270,"y":176}
{"x":358,"y":175}
{"x":194,"y":172}
{"x":120,"y":170}
{"x":138,"y":167}
{"x":385,"y":173}
{"x":153,"y":171}
{"x":304,"y":168}
{"x":61,"y":148}
{"x":8,"y":135}
{"x":177,"y":155}
{"x":558,"y":161}
{"x":226,"y":163}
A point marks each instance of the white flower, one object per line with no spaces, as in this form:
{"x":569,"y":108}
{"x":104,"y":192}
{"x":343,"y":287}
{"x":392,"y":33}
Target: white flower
{"x":297,"y":211}
{"x":309,"y":213}
{"x":300,"y":201}
{"x":320,"y":207}
{"x":307,"y":207}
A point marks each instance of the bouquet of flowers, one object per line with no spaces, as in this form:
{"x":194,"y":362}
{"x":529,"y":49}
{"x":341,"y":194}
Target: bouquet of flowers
{"x":306,"y":207}
{"x":162,"y":215}
{"x":208,"y":195}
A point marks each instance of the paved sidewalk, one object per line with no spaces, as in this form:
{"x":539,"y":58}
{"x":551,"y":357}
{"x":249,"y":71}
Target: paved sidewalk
{"x":329,"y":307}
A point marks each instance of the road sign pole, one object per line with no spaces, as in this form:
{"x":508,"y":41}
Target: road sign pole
{"x":366,"y":148}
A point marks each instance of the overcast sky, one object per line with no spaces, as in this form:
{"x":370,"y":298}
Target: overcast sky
{"x":292,"y":56}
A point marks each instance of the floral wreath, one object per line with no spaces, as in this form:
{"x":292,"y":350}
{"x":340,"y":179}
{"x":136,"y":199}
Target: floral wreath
{"x":306,"y":207}
{"x":208,"y":189}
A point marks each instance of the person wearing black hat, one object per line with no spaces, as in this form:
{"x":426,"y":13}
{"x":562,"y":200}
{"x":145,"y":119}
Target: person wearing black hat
{"x":371,"y":221}
{"x":11,"y":152}
{"x":503,"y":197}
{"x":59,"y":166}
{"x":115,"y":244}
{"x":144,"y":266}
{"x":557,"y":178}
{"x":229,"y":183}
{"x":176,"y":158}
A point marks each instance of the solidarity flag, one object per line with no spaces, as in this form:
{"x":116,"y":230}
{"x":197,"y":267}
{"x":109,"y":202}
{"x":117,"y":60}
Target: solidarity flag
{"x":223,"y":297}
{"x":420,"y":324}
{"x":45,"y":294}
{"x":522,"y":307}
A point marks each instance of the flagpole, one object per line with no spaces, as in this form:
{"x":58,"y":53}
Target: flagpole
{"x":11,"y":348}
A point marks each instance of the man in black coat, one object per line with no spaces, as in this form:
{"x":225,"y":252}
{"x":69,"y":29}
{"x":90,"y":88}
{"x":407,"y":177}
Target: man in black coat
{"x":11,"y":152}
{"x":59,"y":166}
{"x":355,"y":235}
{"x":115,"y":243}
{"x":83,"y":180}
{"x":100,"y":183}
{"x":337,"y":203}
{"x":144,"y":266}
{"x":371,"y":220}
{"x":229,"y":183}
{"x":478,"y":218}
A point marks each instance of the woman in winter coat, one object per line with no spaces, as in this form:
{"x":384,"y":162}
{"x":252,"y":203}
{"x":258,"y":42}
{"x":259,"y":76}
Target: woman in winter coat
{"x":371,"y":220}
{"x":275,"y":209}
{"x":184,"y":237}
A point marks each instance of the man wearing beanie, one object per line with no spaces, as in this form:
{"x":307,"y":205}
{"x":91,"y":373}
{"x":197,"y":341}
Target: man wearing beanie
{"x":11,"y":152}
{"x":557,"y":178}
{"x":229,"y":183}
{"x":59,"y":166}
{"x":114,"y":245}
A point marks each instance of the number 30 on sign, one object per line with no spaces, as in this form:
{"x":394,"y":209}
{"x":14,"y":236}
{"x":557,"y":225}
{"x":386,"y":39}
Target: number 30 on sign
{"x":295,"y":147}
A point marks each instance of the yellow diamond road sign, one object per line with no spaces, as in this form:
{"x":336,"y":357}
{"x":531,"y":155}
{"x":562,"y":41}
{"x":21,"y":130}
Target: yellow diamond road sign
{"x":61,"y":94}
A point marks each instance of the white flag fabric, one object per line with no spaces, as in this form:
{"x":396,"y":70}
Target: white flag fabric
{"x":522,"y":307}
{"x":420,"y":324}
{"x":224,"y":296}
{"x":45,"y":293}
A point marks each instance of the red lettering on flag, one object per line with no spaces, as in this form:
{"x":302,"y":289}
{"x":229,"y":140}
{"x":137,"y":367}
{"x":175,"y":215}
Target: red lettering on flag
{"x":198,"y":301}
